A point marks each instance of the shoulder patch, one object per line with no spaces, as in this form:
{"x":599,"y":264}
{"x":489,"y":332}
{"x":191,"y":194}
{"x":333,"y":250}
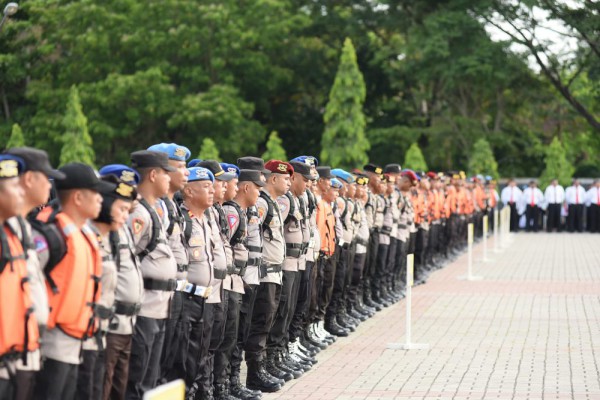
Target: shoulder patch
{"x":137,"y":225}
{"x":196,"y":241}
{"x":40,"y":244}
{"x":261,"y":212}
{"x":283,"y":207}
{"x":232,"y":219}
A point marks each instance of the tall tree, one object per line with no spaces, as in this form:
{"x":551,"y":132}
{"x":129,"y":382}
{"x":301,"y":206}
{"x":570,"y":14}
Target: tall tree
{"x":76,"y":140}
{"x":482,"y":159}
{"x":16,"y":137}
{"x":557,"y":165}
{"x":275,"y":150}
{"x":209,"y":150}
{"x":414,"y":158}
{"x":344,"y":143}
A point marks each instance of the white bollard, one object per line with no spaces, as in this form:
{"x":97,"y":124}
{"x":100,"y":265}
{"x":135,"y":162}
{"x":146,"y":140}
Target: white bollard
{"x":485,"y":234}
{"x":408,"y":345}
{"x":469,"y":276}
{"x":496,"y":236}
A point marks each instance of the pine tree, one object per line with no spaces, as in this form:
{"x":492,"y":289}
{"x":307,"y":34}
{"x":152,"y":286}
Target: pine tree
{"x":77,"y":142}
{"x":275,"y":150}
{"x":16,"y":137}
{"x":209,"y":150}
{"x":344,"y":143}
{"x":482,"y":160}
{"x":414,"y":159}
{"x":557,"y":165}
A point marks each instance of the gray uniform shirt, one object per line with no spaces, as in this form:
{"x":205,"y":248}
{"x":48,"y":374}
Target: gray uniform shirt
{"x":273,"y":242}
{"x":176,"y":241}
{"x":200,"y":251}
{"x":292,"y":232}
{"x":239,"y":250}
{"x":254,"y":245}
{"x":160,"y":264}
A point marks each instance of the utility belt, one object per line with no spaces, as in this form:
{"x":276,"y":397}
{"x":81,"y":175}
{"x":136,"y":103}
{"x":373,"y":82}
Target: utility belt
{"x":386,"y":230}
{"x":324,"y":256}
{"x":106,"y":313}
{"x":266,"y":269}
{"x":168,"y":285}
{"x":103,"y":312}
{"x":295,"y":250}
{"x":255,"y":249}
{"x":238,"y":268}
{"x":343,"y":244}
{"x":182,"y":267}
{"x":129,"y":309}
{"x":253,"y":262}
{"x":362,"y":242}
{"x":197,"y":290}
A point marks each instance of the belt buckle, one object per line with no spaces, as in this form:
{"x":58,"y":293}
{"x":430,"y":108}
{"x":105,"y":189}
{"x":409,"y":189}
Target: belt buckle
{"x":181,"y":285}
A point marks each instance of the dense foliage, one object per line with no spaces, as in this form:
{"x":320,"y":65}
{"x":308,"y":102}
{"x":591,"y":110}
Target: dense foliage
{"x":183,"y":71}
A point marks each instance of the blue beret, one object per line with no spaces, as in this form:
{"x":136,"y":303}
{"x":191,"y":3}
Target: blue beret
{"x":11,"y":166}
{"x":231,"y":168}
{"x":193,"y":162}
{"x":308,"y":160}
{"x":336,"y":184}
{"x":174,"y":151}
{"x":488,"y":178}
{"x":123,"y":172}
{"x":343,"y":175}
{"x":200,"y":174}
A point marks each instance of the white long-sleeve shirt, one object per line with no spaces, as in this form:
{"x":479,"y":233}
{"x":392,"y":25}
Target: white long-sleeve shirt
{"x":592,"y":196}
{"x":511,"y":194}
{"x":575,"y":195}
{"x":532,"y":196}
{"x":554,"y":194}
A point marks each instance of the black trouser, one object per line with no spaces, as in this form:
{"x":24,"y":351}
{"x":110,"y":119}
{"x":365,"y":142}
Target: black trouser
{"x":300,"y":320}
{"x":339,"y":281}
{"x":20,"y":388}
{"x":173,"y":334}
{"x":217,"y":312}
{"x":193,"y":348}
{"x":421,"y":246}
{"x":146,"y":348}
{"x":116,"y":361}
{"x":514,"y":217}
{"x":531,"y":218}
{"x":265,"y":308}
{"x":358,"y":265}
{"x":553,"y":219}
{"x":278,"y":335}
{"x":378,"y":275}
{"x":400,"y":267}
{"x":392,"y":259}
{"x":575,"y":218}
{"x":222,"y":367}
{"x":326,"y":287}
{"x":90,"y":378}
{"x":316,"y":280}
{"x":594,"y":211}
{"x":246,"y":310}
{"x":56,"y":381}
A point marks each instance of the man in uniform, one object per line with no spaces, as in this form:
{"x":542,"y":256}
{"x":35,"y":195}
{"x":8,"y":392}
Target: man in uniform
{"x":159,"y":269}
{"x":175,"y":227}
{"x":70,"y":321}
{"x":269,"y":290}
{"x":554,"y":196}
{"x":36,"y":186}
{"x":511,"y":196}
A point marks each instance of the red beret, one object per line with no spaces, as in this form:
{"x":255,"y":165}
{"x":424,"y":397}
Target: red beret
{"x":279,"y":167}
{"x":432,"y":175}
{"x":410,"y":175}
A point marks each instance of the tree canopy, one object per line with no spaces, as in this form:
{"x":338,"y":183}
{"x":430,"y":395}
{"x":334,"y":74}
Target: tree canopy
{"x":431,"y":73}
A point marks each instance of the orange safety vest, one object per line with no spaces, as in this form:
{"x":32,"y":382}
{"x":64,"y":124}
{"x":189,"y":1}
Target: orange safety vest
{"x":492,"y":198}
{"x":439,"y":204}
{"x":18,"y":326}
{"x":479,"y":194}
{"x":450,"y":205}
{"x":74,"y":283}
{"x":326,"y":227}
{"x":469,"y":202}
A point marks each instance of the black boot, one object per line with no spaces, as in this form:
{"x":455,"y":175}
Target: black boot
{"x":272,"y":368}
{"x":222,"y":392}
{"x":283,"y":364}
{"x":334,"y":328}
{"x":257,"y":378}
{"x":237,"y":390}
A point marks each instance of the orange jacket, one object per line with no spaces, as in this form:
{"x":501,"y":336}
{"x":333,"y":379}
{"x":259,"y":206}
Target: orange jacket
{"x":450,"y":200}
{"x":326,"y":227}
{"x":76,"y":279}
{"x":480,"y":197}
{"x":18,"y":326}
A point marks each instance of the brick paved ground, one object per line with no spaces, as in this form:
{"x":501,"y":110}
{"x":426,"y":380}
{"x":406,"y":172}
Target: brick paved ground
{"x":529,"y":330}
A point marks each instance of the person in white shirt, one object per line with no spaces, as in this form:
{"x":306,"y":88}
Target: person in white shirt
{"x":555,"y":198}
{"x":532,"y":200}
{"x":511,"y":196}
{"x":575,"y":196}
{"x":592,"y":201}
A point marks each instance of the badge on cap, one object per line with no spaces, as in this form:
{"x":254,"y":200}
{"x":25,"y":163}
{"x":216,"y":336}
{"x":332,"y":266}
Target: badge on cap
{"x":9,"y":168}
{"x":378,"y":171}
{"x":180,"y":152}
{"x":282,"y":167}
{"x":124,"y":190}
{"x":127,"y":176}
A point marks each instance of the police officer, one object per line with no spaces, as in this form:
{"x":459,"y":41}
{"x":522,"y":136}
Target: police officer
{"x":249,"y":183}
{"x":175,"y":226}
{"x":36,"y":186}
{"x":198,"y":196}
{"x":128,"y":294}
{"x":18,"y":320}
{"x":72,"y":300}
{"x":159,"y":269}
{"x":269,"y":290}
{"x":116,"y":204}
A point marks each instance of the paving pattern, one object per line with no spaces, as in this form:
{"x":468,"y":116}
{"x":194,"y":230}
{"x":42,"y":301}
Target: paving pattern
{"x":530,"y":329}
